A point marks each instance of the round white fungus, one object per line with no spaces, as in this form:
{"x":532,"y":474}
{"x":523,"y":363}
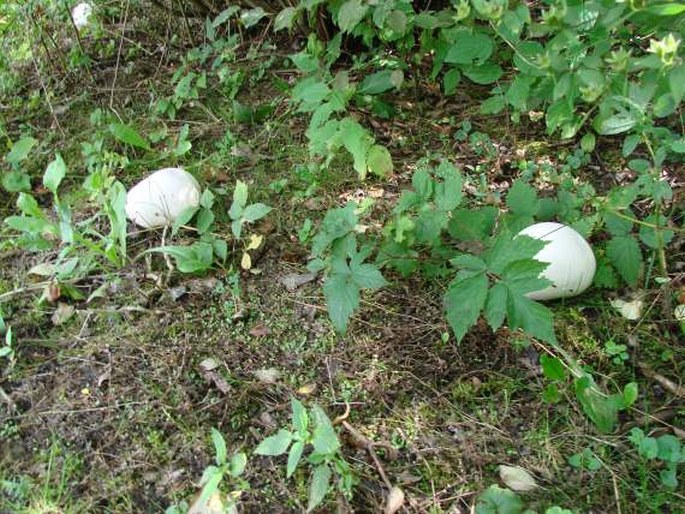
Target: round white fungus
{"x":572,"y":264}
{"x":81,"y":14}
{"x":159,"y":199}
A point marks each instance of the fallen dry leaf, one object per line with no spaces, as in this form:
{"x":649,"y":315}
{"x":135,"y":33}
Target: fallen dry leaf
{"x":260,"y":330}
{"x":395,"y":501}
{"x":517,"y":479}
{"x":62,"y":313}
{"x":629,"y":310}
{"x":294,"y":280}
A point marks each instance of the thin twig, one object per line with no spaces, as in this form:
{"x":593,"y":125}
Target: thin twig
{"x":47,"y":96}
{"x":121,"y":46}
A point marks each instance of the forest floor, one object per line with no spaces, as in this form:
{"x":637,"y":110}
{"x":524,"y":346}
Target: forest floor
{"x":110,"y":402}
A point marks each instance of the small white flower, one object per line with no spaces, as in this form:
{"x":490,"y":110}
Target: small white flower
{"x":81,"y":13}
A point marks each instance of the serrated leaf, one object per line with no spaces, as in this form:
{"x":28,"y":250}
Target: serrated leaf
{"x":255,"y":212}
{"x":533,"y":317}
{"x":507,"y":250}
{"x":472,"y":224}
{"x":276,"y":444}
{"x":342,"y":299}
{"x":448,"y":193}
{"x":496,"y":306}
{"x":463,"y":302}
{"x":522,"y":199}
{"x":324,"y":439}
{"x":204,"y":220}
{"x":128,"y":135}
{"x":380,"y":82}
{"x":616,"y":124}
{"x":379,"y":161}
{"x":294,"y":456}
{"x":625,"y":255}
{"x":357,"y":141}
{"x":20,"y":150}
{"x":54,"y":174}
{"x":318,"y":487}
{"x":367,"y":276}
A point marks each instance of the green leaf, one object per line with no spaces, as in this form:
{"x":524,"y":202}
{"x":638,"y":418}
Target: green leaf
{"x":15,"y":181}
{"x":318,"y":487}
{"x":625,"y":254}
{"x":294,"y":456}
{"x":448,"y":193}
{"x":666,"y":9}
{"x":183,"y":218}
{"x":237,"y":465}
{"x":630,"y":393}
{"x":54,"y":174}
{"x":380,"y":82}
{"x":518,"y":92}
{"x":630,"y":144}
{"x":496,"y":500}
{"x":616,"y":124}
{"x":251,"y":17}
{"x":379,"y":161}
{"x":239,"y":200}
{"x":285,"y":19}
{"x":300,"y":418}
{"x":522,"y":199}
{"x":552,"y":367}
{"x":468,"y":47}
{"x":492,"y":105}
{"x":367,"y":276}
{"x":324,"y":439}
{"x":20,"y":150}
{"x":533,"y":317}
{"x":486,"y":73}
{"x":219,"y":447}
{"x":310,"y":93}
{"x":128,"y":135}
{"x":496,"y":306}
{"x":463,"y":302}
{"x":255,"y":212}
{"x":183,"y":146}
{"x":648,"y":234}
{"x":670,"y":449}
{"x":472,"y":224}
{"x":507,"y":250}
{"x":600,"y":408}
{"x":336,"y":224}
{"x":28,"y":205}
{"x":350,"y":15}
{"x":276,"y":444}
{"x":676,"y":81}
{"x":342,"y":299}
{"x":525,"y":276}
{"x":587,"y":142}
{"x":204,"y":220}
{"x":189,"y":259}
{"x":357,"y":141}
{"x":451,"y":80}
{"x":220,"y":248}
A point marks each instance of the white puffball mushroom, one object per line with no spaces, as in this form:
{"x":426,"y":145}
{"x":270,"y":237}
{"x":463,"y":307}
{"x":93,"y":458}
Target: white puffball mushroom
{"x":159,"y":199}
{"x":81,"y":14}
{"x":572,"y":264}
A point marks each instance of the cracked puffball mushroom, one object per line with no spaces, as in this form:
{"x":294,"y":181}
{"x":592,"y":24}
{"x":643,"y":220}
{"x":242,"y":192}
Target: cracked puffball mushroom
{"x":572,"y":264}
{"x":159,"y":199}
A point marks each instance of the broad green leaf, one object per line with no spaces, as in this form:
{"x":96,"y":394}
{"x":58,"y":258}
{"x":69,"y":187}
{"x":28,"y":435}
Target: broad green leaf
{"x":15,"y":181}
{"x":518,"y":92}
{"x":255,"y":212}
{"x":552,"y":367}
{"x":380,"y":82}
{"x":310,"y":93}
{"x":379,"y":161}
{"x":507,"y":250}
{"x":204,"y":220}
{"x":351,"y":14}
{"x":600,"y":408}
{"x":486,"y":73}
{"x":251,"y":17}
{"x":676,"y":81}
{"x":587,"y":142}
{"x":666,"y":9}
{"x":183,"y":218}
{"x":318,"y":487}
{"x":451,"y":80}
{"x":470,"y":262}
{"x":342,"y":299}
{"x":367,"y":276}
{"x":210,"y":480}
{"x":496,"y":500}
{"x":648,"y":234}
{"x":522,"y":199}
{"x":276,"y":444}
{"x":357,"y":141}
{"x":237,"y":465}
{"x":525,"y":276}
{"x":219,"y":447}
{"x":285,"y":19}
{"x":423,"y":185}
{"x":304,"y":62}
{"x":630,"y":144}
{"x":189,"y":259}
{"x":463,"y":302}
{"x":496,"y":306}
{"x":625,"y":254}
{"x":220,"y":248}
{"x":467,"y":48}
{"x":336,"y":224}
{"x":630,"y":392}
{"x":28,"y":205}
{"x":472,"y":224}
{"x":128,"y":135}
{"x":239,"y":200}
{"x":533,"y":317}
{"x":448,"y":193}
{"x":493,"y":105}
{"x":670,"y":449}
{"x":294,"y":456}
{"x":429,"y":225}
{"x":616,"y":124}
{"x":324,"y":439}
{"x":54,"y":174}
{"x":300,"y":418}
{"x":225,"y":15}
{"x":617,"y":225}
{"x":20,"y":150}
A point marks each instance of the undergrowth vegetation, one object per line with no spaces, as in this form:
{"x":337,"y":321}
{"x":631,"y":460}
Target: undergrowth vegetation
{"x":393,"y":152}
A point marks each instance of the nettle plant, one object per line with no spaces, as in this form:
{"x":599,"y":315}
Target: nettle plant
{"x":477,"y":250}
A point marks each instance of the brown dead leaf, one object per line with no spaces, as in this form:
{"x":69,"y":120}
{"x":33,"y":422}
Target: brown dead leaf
{"x":306,"y":389}
{"x":62,"y":313}
{"x":52,"y":292}
{"x":395,"y":501}
{"x":260,"y":330}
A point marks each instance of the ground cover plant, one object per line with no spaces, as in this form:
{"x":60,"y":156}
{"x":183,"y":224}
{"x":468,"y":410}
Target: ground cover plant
{"x":343,"y":321}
